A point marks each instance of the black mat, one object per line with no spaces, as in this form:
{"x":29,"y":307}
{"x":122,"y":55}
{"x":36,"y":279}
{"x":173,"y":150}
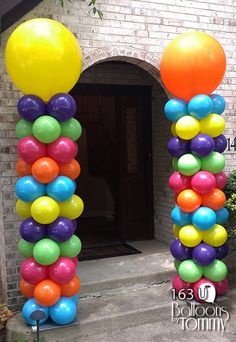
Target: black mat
{"x":102,"y":252}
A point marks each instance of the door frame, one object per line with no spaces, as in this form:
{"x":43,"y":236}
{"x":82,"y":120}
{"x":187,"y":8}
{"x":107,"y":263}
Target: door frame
{"x":146,"y":92}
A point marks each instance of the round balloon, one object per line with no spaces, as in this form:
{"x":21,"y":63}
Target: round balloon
{"x":222,"y":251}
{"x":43,"y":58}
{"x":212,"y":125}
{"x":221,"y":180}
{"x":46,"y":129}
{"x":220,"y":143}
{"x":25,"y":248}
{"x":215,"y":199}
{"x":200,"y":106}
{"x":188,"y":164}
{"x":176,"y":264}
{"x":204,"y":218}
{"x":180,"y":251}
{"x":70,"y":170}
{"x":23,"y":168}
{"x":187,"y":127}
{"x":62,"y":271}
{"x":30,"y":149}
{"x":61,"y":229}
{"x":64,"y":311}
{"x":71,"y":288}
{"x":176,"y":230}
{"x":63,"y":150}
{"x":32,"y":231}
{"x":216,"y":271}
{"x":180,"y":218}
{"x":203,"y":254}
{"x":175,"y":164}
{"x":193,"y":63}
{"x":46,"y":251}
{"x":71,"y":129}
{"x":31,"y":306}
{"x":27,"y":289}
{"x":33,"y":272}
{"x":31,"y":107}
{"x":71,"y":247}
{"x":47,"y":292}
{"x":204,"y":291}
{"x":214,"y":162}
{"x":23,"y":129}
{"x":190,"y":236}
{"x":189,"y":271}
{"x":23,"y":208}
{"x":72,"y":208}
{"x":202,"y":145}
{"x":61,"y":188}
{"x":175,"y":108}
{"x":203,"y":182}
{"x":62,"y":107}
{"x":173,"y":130}
{"x":179,"y":182}
{"x":222,"y":216}
{"x":222,"y":287}
{"x":29,"y":189}
{"x":177,"y":147}
{"x":216,"y":236}
{"x":45,"y":170}
{"x":218,"y":103}
{"x":178,"y":284}
{"x":45,"y":210}
{"x":188,"y":200}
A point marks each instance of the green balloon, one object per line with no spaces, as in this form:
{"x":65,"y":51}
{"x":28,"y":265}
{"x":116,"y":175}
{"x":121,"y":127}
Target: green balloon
{"x":215,"y":271}
{"x":71,"y":129}
{"x":24,"y":129}
{"x":189,"y":271}
{"x":188,"y":164}
{"x":71,"y":247}
{"x":25,"y":248}
{"x":46,"y":129}
{"x":175,"y":164}
{"x":46,"y":251}
{"x":214,"y":162}
{"x":176,"y":264}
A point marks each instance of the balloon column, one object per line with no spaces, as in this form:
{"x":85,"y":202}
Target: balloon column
{"x":192,"y":67}
{"x":43,"y":59}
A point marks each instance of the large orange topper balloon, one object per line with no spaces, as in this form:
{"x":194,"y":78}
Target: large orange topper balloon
{"x":193,"y":63}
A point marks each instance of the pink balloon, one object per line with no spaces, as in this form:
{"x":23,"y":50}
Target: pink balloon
{"x":75,"y":260}
{"x":222,"y":287}
{"x":30,"y":149}
{"x":203,"y":182}
{"x":196,"y":286}
{"x":62,"y":150}
{"x":178,"y":284}
{"x":179,"y":182}
{"x":221,"y":180}
{"x":62,"y":271}
{"x":33,"y":272}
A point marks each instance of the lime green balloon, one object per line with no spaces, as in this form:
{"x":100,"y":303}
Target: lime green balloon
{"x":176,"y":264}
{"x":175,"y":164}
{"x":46,"y":251}
{"x":189,"y":271}
{"x":214,"y":162}
{"x":71,"y":247}
{"x":24,"y":129}
{"x":46,"y":129}
{"x":215,"y":271}
{"x":25,"y":248}
{"x":71,"y":129}
{"x":189,"y":164}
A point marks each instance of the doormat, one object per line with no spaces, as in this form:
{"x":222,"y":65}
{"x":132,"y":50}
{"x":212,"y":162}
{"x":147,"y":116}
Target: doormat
{"x":111,"y":251}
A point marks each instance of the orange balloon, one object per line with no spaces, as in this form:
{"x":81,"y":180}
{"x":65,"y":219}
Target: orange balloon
{"x":214,"y":199}
{"x":71,"y":288}
{"x":188,"y":200}
{"x":71,"y":169}
{"x":23,"y":168}
{"x":27,"y":289}
{"x":193,"y":63}
{"x":47,"y":292}
{"x":45,"y":170}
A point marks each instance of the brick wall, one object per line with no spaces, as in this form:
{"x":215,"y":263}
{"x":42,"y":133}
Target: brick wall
{"x":134,"y":31}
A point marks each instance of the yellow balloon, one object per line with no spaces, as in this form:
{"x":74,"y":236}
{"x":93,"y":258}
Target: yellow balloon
{"x":216,"y":236}
{"x":43,"y":58}
{"x":190,"y":236}
{"x":187,"y":127}
{"x":72,"y":208}
{"x":173,"y":130}
{"x":212,"y":125}
{"x":176,"y":230}
{"x":45,"y":210}
{"x":23,"y":208}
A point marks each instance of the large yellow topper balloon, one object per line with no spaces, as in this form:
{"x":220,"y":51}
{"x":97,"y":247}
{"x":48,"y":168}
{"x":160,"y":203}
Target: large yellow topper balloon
{"x":43,"y":58}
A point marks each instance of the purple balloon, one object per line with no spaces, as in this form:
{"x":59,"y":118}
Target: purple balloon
{"x":75,"y":225}
{"x":62,"y":107}
{"x":202,"y":145}
{"x":32,"y":231}
{"x":177,"y":147}
{"x":204,"y":254}
{"x":31,"y":107}
{"x":220,"y":143}
{"x":179,"y":251}
{"x":221,"y":251}
{"x":61,"y":229}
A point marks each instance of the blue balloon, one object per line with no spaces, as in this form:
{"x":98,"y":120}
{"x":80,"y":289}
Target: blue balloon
{"x":218,"y":104}
{"x":180,"y":218}
{"x":222,"y":216}
{"x":75,"y":299}
{"x":204,"y":218}
{"x":29,"y":189}
{"x":175,"y":109}
{"x":61,"y":188}
{"x":29,"y":307}
{"x":200,"y":106}
{"x":64,"y":311}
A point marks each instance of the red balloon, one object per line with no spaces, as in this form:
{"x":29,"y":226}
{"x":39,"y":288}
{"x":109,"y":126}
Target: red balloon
{"x":30,"y":149}
{"x":75,"y":260}
{"x":179,"y":182}
{"x":62,"y":150}
{"x":62,"y":271}
{"x":178,"y":284}
{"x":203,"y":182}
{"x":200,"y":293}
{"x":32,"y":272}
{"x":221,"y":180}
{"x":222,"y":287}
